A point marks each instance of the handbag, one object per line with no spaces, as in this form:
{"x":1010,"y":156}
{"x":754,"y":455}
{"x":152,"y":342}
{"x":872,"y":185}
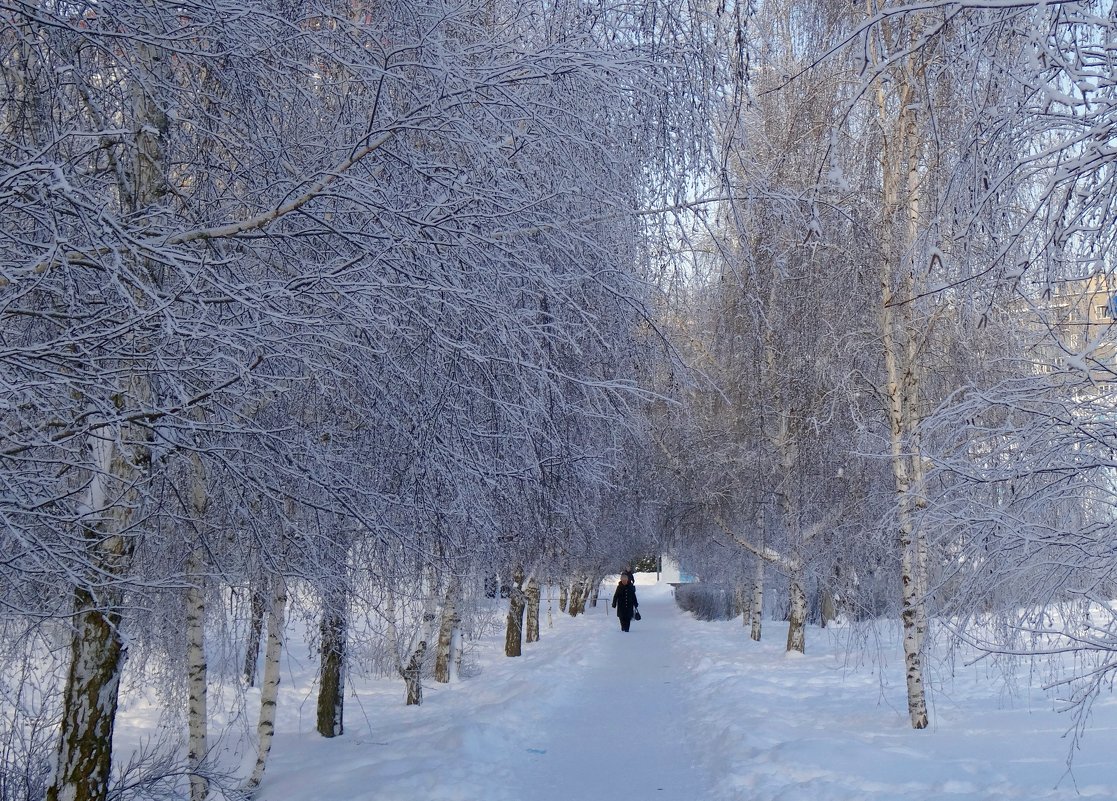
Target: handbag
{"x":636,"y":616}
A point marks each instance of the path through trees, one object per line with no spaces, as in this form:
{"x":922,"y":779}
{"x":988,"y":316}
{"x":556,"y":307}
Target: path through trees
{"x":623,"y":731}
{"x":684,"y":710}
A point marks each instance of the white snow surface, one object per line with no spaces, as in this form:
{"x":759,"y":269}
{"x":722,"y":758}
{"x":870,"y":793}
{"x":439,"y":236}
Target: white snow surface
{"x":680,"y":710}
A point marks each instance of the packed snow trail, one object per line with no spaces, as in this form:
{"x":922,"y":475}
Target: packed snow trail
{"x":621,"y":735}
{"x":678,"y":710}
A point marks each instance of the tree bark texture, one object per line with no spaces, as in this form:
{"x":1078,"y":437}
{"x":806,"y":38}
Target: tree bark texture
{"x":413,"y":674}
{"x":741,"y":599}
{"x":269,"y":690}
{"x":89,"y":699}
{"x":577,"y":599}
{"x":595,"y":591}
{"x":411,"y":666}
{"x":587,"y":592}
{"x":331,"y":688}
{"x":451,"y":620}
{"x":900,"y":195}
{"x":456,"y":652}
{"x":121,"y":457}
{"x":89,"y":704}
{"x":197,"y":671}
{"x":789,"y":456}
{"x":259,"y":609}
{"x":196,"y":677}
{"x":797,"y":620}
{"x":757,"y":604}
{"x":513,"y":636}
{"x":531,"y":627}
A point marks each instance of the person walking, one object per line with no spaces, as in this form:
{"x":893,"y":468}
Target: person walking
{"x":624,"y":600}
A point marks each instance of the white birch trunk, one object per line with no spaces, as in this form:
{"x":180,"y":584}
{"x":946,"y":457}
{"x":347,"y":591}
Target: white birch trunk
{"x":577,"y":597}
{"x":513,"y":635}
{"x":269,"y":690}
{"x":451,"y":620}
{"x":741,"y":599}
{"x":757,"y":600}
{"x":456,"y":651}
{"x":531,"y":626}
{"x":197,"y":746}
{"x":899,"y":170}
{"x":257,"y":610}
{"x":797,"y":619}
{"x":596,"y":591}
{"x":412,"y":669}
{"x":89,"y":699}
{"x":120,"y":457}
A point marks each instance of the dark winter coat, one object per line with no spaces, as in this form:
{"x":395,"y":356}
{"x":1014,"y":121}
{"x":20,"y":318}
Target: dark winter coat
{"x":624,"y":600}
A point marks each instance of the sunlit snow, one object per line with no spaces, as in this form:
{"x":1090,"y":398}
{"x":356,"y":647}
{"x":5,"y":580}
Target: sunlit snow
{"x":680,"y":710}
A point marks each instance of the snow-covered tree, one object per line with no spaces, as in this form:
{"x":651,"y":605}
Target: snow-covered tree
{"x":360,"y":282}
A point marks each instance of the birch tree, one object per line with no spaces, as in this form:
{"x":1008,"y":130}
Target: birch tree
{"x":775,"y":322}
{"x":1023,"y":493}
{"x":293,"y":239}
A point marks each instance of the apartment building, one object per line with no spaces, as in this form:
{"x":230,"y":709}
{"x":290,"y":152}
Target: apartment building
{"x":1075,"y":320}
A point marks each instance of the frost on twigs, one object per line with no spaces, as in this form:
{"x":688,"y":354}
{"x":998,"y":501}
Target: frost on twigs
{"x":384,"y":275}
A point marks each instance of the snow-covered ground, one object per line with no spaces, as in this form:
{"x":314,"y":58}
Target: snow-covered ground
{"x":682,"y":710}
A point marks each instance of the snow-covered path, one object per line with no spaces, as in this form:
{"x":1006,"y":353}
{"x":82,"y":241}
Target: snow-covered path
{"x":681,"y":710}
{"x":621,"y":733}
{"x":589,"y":712}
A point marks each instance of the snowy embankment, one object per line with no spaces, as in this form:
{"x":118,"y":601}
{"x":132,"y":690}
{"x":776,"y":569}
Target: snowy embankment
{"x":678,"y":710}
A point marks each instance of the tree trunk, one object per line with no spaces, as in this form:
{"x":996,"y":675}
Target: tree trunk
{"x":269,"y":692}
{"x":89,"y":699}
{"x":513,"y":637}
{"x":88,"y":704}
{"x":912,"y":616}
{"x":121,"y":458}
{"x":331,"y":689}
{"x":531,"y":628}
{"x":451,"y":620}
{"x":899,"y":160}
{"x":196,"y":667}
{"x":789,"y":456}
{"x":413,"y":674}
{"x":562,"y":596}
{"x":757,"y":600}
{"x":258,"y":610}
{"x":797,"y":620}
{"x":456,"y":653}
{"x":595,"y":591}
{"x":829,"y":608}
{"x":587,"y":592}
{"x":576,"y":603}
{"x":196,"y":677}
{"x":411,"y":668}
{"x":900,"y":190}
